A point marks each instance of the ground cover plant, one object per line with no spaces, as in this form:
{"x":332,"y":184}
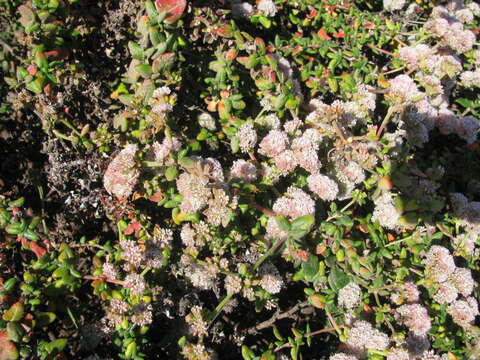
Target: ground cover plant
{"x":271,"y":179}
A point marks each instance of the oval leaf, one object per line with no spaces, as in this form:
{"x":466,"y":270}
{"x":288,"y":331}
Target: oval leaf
{"x":174,"y":8}
{"x":8,"y":351}
{"x":15,"y":313}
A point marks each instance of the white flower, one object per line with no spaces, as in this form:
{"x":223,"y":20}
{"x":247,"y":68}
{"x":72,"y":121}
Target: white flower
{"x":267,"y":8}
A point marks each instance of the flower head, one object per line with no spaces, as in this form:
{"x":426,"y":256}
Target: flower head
{"x":121,"y":175}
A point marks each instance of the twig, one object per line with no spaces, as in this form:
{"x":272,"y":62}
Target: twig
{"x":277,"y":316}
{"x":263,"y":210}
{"x":270,"y":252}
{"x":90,"y":277}
{"x":339,"y":131}
{"x":10,"y":50}
{"x":445,"y":232}
{"x":277,"y":349}
{"x":321,"y":331}
{"x":380,"y":50}
{"x":398,"y":241}
{"x":89,"y":246}
{"x":394,"y":70}
{"x":333,"y":322}
{"x":390,"y":112}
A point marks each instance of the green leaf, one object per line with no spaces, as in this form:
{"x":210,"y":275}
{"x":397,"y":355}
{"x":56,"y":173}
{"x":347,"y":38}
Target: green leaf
{"x":187,"y":162}
{"x":301,"y":227}
{"x":15,"y":313}
{"x":36,"y":85}
{"x":45,"y":318}
{"x":56,"y":346}
{"x":53,"y":4}
{"x":31,"y":235}
{"x":144,"y":70}
{"x":131,"y":350}
{"x":9,"y":284}
{"x":135,"y":50}
{"x":154,"y":35}
{"x":337,"y":278}
{"x":22,"y":73}
{"x":310,"y":268}
{"x":14,"y":331}
{"x":41,"y":60}
{"x":247,"y":354}
{"x":151,"y":10}
{"x":267,"y":23}
{"x":14,"y":229}
{"x":171,"y":173}
{"x":277,"y":334}
{"x":283,"y":223}
{"x":163,"y":62}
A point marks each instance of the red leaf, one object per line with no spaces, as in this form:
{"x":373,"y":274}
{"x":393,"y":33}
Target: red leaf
{"x":156,"y":197}
{"x":37,"y":249}
{"x":313,"y":12}
{"x":23,"y":241}
{"x":369,"y":26}
{"x":302,"y":254}
{"x":32,"y":69}
{"x":133,"y":227}
{"x":297,"y":50}
{"x":340,"y":34}
{"x":322,"y":34}
{"x":8,"y":351}
{"x":174,"y":8}
{"x":225,"y":31}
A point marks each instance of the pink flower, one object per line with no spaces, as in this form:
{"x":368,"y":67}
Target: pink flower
{"x":273,"y":144}
{"x":286,"y":162}
{"x":403,"y":90}
{"x":247,"y":137}
{"x":121,"y":175}
{"x":464,"y":312}
{"x":415,"y":317}
{"x":323,"y":186}
{"x":242,"y":169}
{"x":295,"y":204}
{"x":439,"y":263}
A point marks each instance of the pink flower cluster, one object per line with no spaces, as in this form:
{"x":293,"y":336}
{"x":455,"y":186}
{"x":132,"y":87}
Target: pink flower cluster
{"x":295,"y":204}
{"x":244,"y":170}
{"x":403,"y":90}
{"x":362,"y":337}
{"x":323,"y":186}
{"x":415,"y":317}
{"x":161,"y":151}
{"x":121,"y":175}
{"x":448,"y":26}
{"x":273,"y":144}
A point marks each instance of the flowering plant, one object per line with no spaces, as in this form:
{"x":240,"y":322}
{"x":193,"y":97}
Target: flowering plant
{"x":289,"y":180}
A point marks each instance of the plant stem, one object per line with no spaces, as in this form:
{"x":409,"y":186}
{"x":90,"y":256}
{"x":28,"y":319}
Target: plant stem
{"x":390,"y":112}
{"x":270,"y":252}
{"x":398,"y":241}
{"x":259,"y":262}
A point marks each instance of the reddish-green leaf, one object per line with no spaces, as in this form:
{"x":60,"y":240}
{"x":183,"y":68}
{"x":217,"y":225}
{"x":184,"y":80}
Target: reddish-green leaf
{"x":15,"y":313}
{"x":174,"y":8}
{"x":8,"y":351}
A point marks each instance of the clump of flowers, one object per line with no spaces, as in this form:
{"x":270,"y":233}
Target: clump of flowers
{"x":121,"y":175}
{"x":294,"y":204}
{"x":349,"y":296}
{"x":415,"y":317}
{"x":362,"y":337}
